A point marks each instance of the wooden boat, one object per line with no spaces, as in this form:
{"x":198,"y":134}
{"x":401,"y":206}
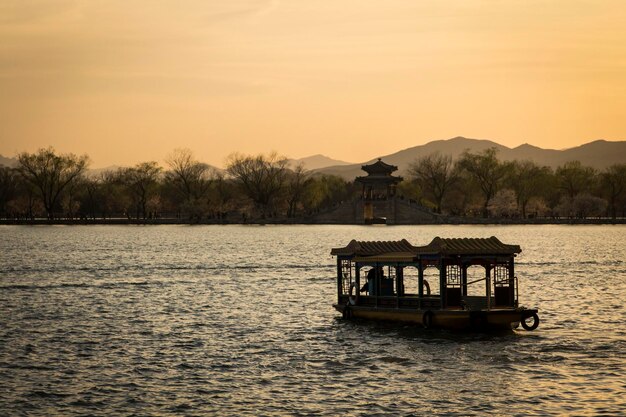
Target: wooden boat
{"x":436,"y":286}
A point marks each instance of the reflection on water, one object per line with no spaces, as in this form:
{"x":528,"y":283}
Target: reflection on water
{"x":104,"y":320}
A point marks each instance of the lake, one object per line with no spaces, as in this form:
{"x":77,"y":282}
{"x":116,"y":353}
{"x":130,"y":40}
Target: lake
{"x":237,"y":320}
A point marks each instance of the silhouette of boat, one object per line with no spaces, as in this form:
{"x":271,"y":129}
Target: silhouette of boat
{"x":434,"y":285}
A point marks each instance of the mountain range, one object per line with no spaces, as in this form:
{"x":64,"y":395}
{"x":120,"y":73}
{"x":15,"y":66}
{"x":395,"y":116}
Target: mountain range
{"x":315,"y":162}
{"x":598,"y":154}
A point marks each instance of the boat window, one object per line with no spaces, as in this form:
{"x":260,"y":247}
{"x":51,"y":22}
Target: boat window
{"x":453,"y":276}
{"x":346,"y":276}
{"x":454,"y":288}
{"x":476,"y":281}
{"x":501,"y":276}
{"x":388,"y":282}
{"x":431,"y":275}
{"x":503,"y":296}
{"x":411,"y":279}
{"x":379,"y":281}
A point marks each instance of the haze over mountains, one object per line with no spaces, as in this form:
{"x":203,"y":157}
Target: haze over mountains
{"x":598,"y":154}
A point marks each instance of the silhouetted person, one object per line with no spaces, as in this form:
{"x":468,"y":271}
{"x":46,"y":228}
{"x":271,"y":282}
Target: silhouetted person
{"x":370,"y":285}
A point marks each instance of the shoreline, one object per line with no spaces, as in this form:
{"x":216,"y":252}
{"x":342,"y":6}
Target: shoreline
{"x":173,"y":221}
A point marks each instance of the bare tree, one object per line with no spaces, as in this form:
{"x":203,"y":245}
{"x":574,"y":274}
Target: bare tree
{"x":112,"y":199}
{"x":435,"y":173}
{"x":486,"y":171}
{"x":101,"y":194}
{"x":527,"y":180}
{"x":26,"y":205}
{"x":141,"y":180}
{"x":574,"y":178}
{"x":297,"y":180}
{"x":9,"y":186}
{"x":613,"y":182}
{"x":69,"y":201}
{"x":51,"y":173}
{"x":224,"y":193}
{"x":261,"y":177}
{"x":192,"y":178}
{"x":89,"y":196}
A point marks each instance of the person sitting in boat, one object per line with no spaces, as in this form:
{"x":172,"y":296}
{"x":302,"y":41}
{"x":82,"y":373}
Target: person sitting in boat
{"x":370,"y":285}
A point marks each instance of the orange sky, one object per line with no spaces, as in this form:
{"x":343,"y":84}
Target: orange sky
{"x":128,"y":81}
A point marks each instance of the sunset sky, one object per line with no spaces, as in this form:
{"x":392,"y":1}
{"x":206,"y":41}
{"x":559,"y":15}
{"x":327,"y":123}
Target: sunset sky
{"x":129,"y":81}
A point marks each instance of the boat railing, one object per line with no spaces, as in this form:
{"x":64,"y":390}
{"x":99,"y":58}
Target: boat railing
{"x":516,"y":301}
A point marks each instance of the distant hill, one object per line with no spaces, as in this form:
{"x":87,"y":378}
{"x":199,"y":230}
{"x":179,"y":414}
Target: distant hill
{"x":316,"y":162}
{"x":598,"y":154}
{"x":94,"y":172}
{"x":8,"y":162}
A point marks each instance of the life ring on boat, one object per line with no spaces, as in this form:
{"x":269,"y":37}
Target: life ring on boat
{"x":353,"y":299}
{"x":533,"y":326}
{"x":426,"y":286}
{"x":427,"y":319}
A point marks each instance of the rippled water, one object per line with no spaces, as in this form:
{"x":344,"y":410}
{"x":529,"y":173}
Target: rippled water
{"x":237,"y":320}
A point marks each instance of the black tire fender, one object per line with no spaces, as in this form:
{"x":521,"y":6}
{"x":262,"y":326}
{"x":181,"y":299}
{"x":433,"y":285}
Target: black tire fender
{"x":533,"y":326}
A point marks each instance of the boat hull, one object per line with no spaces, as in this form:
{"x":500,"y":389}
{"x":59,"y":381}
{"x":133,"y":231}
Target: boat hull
{"x":494,"y":319}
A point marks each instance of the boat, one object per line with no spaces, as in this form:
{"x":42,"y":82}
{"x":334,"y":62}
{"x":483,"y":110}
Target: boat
{"x":451,"y":283}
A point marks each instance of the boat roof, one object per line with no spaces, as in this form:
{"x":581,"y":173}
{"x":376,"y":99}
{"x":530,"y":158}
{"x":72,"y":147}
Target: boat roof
{"x":369,"y":248}
{"x":378,"y":251}
{"x":468,"y":246}
{"x":402,"y":250}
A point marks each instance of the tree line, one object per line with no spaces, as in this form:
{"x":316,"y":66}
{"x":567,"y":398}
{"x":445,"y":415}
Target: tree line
{"x":55,"y":186}
{"x":59,"y":186}
{"x":479,"y":184}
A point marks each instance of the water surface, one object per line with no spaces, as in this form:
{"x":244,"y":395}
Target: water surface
{"x":237,"y":320}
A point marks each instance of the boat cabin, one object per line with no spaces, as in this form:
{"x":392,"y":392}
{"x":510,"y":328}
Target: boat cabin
{"x":442,"y":282}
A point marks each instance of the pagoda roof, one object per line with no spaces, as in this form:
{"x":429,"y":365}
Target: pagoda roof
{"x":379,"y":167}
{"x":402,"y":250}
